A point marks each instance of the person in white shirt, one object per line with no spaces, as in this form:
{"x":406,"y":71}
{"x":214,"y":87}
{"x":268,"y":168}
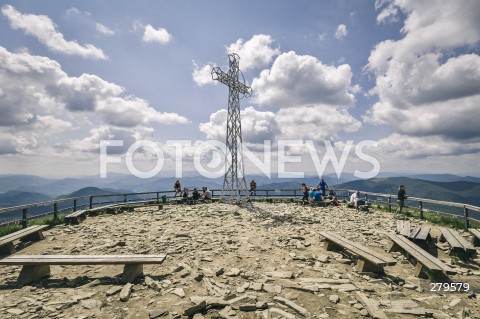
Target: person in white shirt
{"x":354,"y":198}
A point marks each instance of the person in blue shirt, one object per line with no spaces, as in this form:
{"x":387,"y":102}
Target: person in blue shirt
{"x":310,"y":194}
{"x":317,"y":195}
{"x":323,"y":187}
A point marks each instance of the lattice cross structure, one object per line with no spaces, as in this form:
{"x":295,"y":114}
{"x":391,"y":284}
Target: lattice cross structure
{"x":234,"y":185}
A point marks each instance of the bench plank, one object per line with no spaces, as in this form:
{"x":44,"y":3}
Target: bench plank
{"x":37,"y":266}
{"x":476,"y":236}
{"x":31,"y":233}
{"x":82,"y":259}
{"x":420,"y":233}
{"x":422,"y":257}
{"x":368,"y":259}
{"x":403,"y":227}
{"x":456,"y":241}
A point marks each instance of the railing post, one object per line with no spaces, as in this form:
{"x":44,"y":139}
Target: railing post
{"x":294,"y":193}
{"x":267,"y":193}
{"x":421,"y":209}
{"x":55,"y":211}
{"x":74,"y":205}
{"x":90,"y":204}
{"x":465,"y":212}
{"x":158,"y":197}
{"x":390,"y":203}
{"x":24,"y":217}
{"x":124,"y":198}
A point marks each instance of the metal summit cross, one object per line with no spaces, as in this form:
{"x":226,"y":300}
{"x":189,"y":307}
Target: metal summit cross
{"x":233,"y":185}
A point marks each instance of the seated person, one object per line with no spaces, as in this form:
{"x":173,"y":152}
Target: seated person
{"x":207,"y":194}
{"x":195,"y":195}
{"x":331,"y":194}
{"x":317,"y":196}
{"x":355,"y":199}
{"x":310,"y":194}
{"x":185,"y":195}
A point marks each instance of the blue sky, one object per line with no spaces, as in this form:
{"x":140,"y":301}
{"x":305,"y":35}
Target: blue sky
{"x":402,"y":73}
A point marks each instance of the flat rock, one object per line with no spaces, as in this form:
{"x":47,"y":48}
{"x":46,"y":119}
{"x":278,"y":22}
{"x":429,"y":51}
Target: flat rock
{"x":280,"y":274}
{"x":158,"y":313}
{"x":125,"y":292}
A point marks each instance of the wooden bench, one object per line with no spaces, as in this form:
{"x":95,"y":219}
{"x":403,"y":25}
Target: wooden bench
{"x":423,"y":258}
{"x":37,"y":266}
{"x":459,"y":245}
{"x":31,"y":233}
{"x":76,"y":217}
{"x":368,"y":260}
{"x":476,"y":236}
{"x":420,"y":234}
{"x":403,"y":227}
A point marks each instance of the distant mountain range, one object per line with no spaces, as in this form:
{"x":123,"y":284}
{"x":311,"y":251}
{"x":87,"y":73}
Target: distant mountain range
{"x":23,"y":189}
{"x":454,"y":191}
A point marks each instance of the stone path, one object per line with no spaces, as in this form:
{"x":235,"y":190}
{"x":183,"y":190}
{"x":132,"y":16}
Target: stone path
{"x":230,"y":262}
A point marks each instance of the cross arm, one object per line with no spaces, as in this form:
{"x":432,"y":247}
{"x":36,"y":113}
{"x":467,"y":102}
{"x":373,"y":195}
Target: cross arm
{"x":219,"y":75}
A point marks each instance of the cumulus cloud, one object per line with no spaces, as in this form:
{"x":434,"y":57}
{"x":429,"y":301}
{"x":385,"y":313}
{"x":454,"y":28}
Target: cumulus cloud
{"x":295,"y":80}
{"x":202,"y":75}
{"x":425,"y":86}
{"x":405,"y":146}
{"x":159,"y":35}
{"x":257,"y":126}
{"x":104,"y":29}
{"x":318,"y":122}
{"x":45,"y":30}
{"x":341,"y":31}
{"x":36,"y":96}
{"x":254,"y":53}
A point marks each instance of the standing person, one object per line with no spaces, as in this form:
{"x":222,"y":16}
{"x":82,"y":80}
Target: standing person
{"x":354,"y":198}
{"x":177,"y":188}
{"x":253,"y":188}
{"x":401,"y":196}
{"x":323,"y":187}
{"x":305,"y":192}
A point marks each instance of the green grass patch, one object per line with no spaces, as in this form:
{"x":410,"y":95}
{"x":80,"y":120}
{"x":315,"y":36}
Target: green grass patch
{"x":49,"y":220}
{"x":432,"y":217}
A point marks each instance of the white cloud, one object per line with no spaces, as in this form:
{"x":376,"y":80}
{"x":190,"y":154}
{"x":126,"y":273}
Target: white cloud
{"x":341,"y":31}
{"x":104,"y":29}
{"x":202,"y":75}
{"x":45,"y":30}
{"x":37,"y":97}
{"x":404,"y":146}
{"x":254,"y":53}
{"x":388,"y":15}
{"x":295,"y":80}
{"x":160,"y":35}
{"x":425,"y":87}
{"x":318,"y":122}
{"x":257,"y":126}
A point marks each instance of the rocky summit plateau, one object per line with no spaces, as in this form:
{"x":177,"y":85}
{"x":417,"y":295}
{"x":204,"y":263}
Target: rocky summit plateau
{"x":226,"y":261}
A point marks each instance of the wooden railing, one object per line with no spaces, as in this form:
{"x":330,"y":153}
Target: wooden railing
{"x":67,"y":205}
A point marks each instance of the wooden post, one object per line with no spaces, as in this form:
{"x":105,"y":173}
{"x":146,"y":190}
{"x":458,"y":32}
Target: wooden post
{"x":390,"y":203}
{"x":24,"y":217}
{"x":294,"y":193}
{"x":465,"y":213}
{"x":266,"y":193}
{"x":124,"y":198}
{"x":158,"y":198}
{"x":421,"y":210}
{"x":55,"y":211}
{"x":74,"y":205}
{"x":90,"y":204}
